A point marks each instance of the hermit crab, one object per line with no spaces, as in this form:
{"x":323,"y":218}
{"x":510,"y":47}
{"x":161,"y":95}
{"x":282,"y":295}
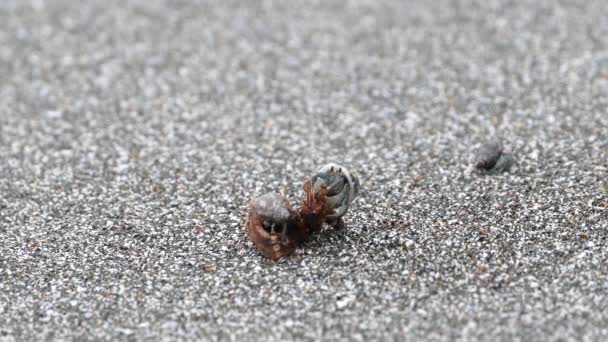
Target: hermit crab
{"x":493,"y":157}
{"x":341,"y":189}
{"x":276,"y":229}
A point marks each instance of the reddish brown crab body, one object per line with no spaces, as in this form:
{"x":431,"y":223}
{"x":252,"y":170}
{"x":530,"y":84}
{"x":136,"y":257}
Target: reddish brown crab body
{"x":275,"y":228}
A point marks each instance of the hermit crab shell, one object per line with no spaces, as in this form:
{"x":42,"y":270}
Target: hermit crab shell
{"x":341,"y":185}
{"x":493,"y":157}
{"x":273,"y":225}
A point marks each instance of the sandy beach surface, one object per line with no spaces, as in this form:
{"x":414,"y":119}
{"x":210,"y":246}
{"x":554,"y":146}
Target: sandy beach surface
{"x":134,"y":133}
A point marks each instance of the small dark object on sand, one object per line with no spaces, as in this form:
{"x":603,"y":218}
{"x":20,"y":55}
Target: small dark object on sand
{"x":276,"y":229}
{"x":493,"y":157}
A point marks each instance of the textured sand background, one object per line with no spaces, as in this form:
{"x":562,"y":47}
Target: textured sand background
{"x":133,"y":133}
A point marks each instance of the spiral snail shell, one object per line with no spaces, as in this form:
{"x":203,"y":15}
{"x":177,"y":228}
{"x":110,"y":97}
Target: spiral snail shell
{"x":342,"y":188}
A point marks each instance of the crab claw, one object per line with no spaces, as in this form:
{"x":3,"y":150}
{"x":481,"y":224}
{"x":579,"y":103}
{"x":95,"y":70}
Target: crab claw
{"x":274,"y":226}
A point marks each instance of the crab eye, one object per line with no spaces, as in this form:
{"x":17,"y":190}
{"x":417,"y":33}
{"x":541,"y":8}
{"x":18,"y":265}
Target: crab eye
{"x":267,"y":226}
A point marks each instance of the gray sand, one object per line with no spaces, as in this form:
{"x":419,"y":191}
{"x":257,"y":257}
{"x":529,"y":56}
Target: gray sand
{"x":133,"y":136}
